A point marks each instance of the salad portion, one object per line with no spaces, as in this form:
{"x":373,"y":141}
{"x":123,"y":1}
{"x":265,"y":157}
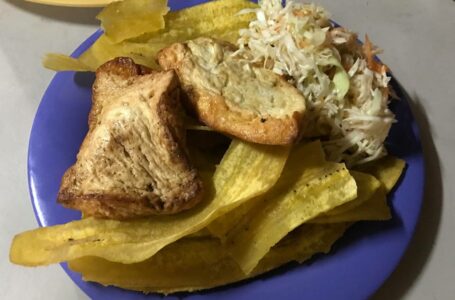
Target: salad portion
{"x":346,"y":89}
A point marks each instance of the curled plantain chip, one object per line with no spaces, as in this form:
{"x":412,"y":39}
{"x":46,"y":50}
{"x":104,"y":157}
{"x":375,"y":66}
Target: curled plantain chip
{"x":104,"y":50}
{"x":367,"y":185}
{"x":387,"y":170}
{"x":374,"y":209}
{"x":370,"y":204}
{"x":100,"y":52}
{"x":221,"y":226}
{"x":131,"y":18}
{"x":199,"y":263}
{"x":55,"y":61}
{"x":246,"y":171}
{"x":308,"y":187}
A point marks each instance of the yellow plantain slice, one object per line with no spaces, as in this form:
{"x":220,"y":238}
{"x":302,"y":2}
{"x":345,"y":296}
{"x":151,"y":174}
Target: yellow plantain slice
{"x":203,"y":233}
{"x":60,"y":62}
{"x":375,"y":209}
{"x":367,"y":185}
{"x":221,"y":226}
{"x":387,"y":170}
{"x":104,"y":50}
{"x":131,"y":18}
{"x":101,"y":51}
{"x":246,"y":171}
{"x":218,"y":19}
{"x":306,"y":189}
{"x":195,"y":264}
{"x":225,"y":223}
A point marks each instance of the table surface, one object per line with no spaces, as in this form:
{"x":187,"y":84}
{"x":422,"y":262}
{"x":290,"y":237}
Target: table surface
{"x":419,"y":42}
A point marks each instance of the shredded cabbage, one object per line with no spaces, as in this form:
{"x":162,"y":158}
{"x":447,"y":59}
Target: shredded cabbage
{"x":345,"y":88}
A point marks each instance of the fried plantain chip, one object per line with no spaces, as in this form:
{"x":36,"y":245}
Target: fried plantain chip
{"x":221,"y":226}
{"x":375,"y":209}
{"x":203,"y":233}
{"x":367,"y":185}
{"x":307,"y":188}
{"x":225,"y":223}
{"x":246,"y":171}
{"x":370,"y":204}
{"x":101,"y":51}
{"x":104,"y":50}
{"x":60,"y":62}
{"x":131,"y":18}
{"x":193,"y":264}
{"x":218,"y":19}
{"x":387,"y":170}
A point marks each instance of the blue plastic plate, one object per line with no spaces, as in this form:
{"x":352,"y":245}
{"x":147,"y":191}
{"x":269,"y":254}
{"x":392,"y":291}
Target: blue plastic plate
{"x":359,"y":263}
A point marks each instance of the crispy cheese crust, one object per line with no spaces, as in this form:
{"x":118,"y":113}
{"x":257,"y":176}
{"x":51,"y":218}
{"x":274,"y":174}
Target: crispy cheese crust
{"x":235,"y":97}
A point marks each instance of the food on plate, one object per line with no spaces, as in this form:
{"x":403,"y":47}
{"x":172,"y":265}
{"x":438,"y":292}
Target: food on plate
{"x":193,"y":264}
{"x":245,"y":172}
{"x":233,"y":96}
{"x":346,"y":90}
{"x":217,"y":19}
{"x":133,"y":161}
{"x":171,"y":204}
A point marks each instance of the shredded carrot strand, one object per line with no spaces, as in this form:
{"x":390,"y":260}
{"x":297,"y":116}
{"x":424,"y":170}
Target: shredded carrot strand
{"x":369,"y":51}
